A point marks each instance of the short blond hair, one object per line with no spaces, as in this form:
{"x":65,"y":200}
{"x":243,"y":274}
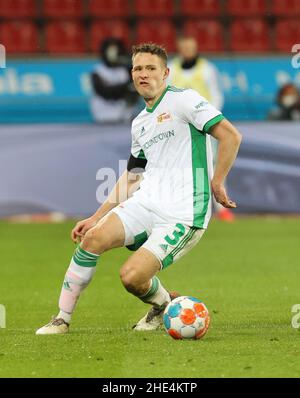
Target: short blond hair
{"x":151,"y":48}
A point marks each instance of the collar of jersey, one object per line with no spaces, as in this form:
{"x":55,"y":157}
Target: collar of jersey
{"x":158,"y":101}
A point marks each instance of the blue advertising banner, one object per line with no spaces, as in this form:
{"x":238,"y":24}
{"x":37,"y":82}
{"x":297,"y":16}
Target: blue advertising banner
{"x":59,"y":90}
{"x":250,"y":85}
{"x":45,"y":91}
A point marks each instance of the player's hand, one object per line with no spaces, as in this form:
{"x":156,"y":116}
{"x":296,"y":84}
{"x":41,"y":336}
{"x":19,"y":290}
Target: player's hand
{"x":81,"y":229}
{"x":221,"y":197}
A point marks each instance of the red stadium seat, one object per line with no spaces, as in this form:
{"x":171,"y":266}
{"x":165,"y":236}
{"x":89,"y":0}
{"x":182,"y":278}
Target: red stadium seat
{"x":63,"y":8}
{"x":250,"y":35}
{"x":158,"y":31}
{"x":246,"y":7}
{"x":65,"y":37}
{"x":192,"y":8}
{"x":17,"y":8}
{"x":287,"y":33}
{"x":209,"y":34}
{"x":19,"y":37}
{"x":108,"y":8}
{"x":102,"y":29}
{"x":286,"y":7}
{"x":154,"y":8}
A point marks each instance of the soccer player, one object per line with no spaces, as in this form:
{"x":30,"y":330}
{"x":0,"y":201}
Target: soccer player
{"x":168,"y":206}
{"x":189,"y":69}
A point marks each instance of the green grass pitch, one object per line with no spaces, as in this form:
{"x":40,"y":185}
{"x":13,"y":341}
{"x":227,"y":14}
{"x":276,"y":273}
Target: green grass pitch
{"x":246,"y":273}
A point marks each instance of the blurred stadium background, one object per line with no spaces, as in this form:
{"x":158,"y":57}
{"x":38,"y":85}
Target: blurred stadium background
{"x":46,"y":124}
{"x":50,"y":154}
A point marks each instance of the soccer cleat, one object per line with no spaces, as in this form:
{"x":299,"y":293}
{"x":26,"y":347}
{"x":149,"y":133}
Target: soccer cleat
{"x":153,"y":320}
{"x":56,"y":326}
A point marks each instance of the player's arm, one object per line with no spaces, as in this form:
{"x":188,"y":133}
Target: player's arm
{"x":229,"y":140}
{"x":123,"y":189}
{"x":127,"y":184}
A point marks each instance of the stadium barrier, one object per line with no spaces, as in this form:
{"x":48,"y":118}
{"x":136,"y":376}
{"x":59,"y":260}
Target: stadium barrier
{"x":54,"y":168}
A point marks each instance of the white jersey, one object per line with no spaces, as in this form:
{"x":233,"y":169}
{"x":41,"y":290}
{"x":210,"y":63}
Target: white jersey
{"x":172,"y":136}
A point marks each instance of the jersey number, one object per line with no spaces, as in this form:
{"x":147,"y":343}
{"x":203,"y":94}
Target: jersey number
{"x":176,"y":235}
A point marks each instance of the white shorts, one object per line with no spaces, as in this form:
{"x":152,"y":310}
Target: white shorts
{"x":144,"y":228}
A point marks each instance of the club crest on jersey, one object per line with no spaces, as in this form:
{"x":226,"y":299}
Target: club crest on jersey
{"x":164,"y":117}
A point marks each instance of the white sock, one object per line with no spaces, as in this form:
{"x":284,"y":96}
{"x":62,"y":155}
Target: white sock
{"x":157,"y":295}
{"x":65,"y":316}
{"x":78,"y":276}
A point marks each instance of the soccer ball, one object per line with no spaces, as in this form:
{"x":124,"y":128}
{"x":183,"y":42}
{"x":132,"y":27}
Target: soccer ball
{"x":186,"y":317}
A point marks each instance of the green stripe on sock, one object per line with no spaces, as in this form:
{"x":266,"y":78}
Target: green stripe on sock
{"x":153,"y":289}
{"x":85,"y":259}
{"x":84,"y":263}
{"x":87,"y":254}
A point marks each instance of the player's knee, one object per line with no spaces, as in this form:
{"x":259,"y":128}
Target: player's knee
{"x":95,"y":241}
{"x":130,"y":279}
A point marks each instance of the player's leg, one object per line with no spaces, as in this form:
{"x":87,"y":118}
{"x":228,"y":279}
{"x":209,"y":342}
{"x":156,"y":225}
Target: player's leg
{"x":107,"y":234}
{"x":166,"y":245}
{"x":138,"y":276}
{"x":138,"y":273}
